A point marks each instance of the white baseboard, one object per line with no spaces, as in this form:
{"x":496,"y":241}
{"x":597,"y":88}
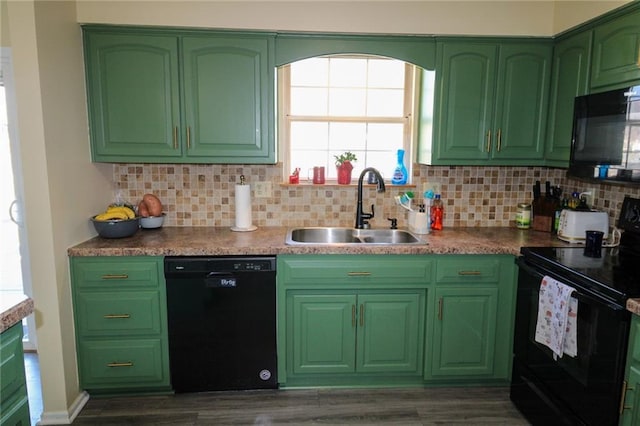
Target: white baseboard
{"x":64,"y":417}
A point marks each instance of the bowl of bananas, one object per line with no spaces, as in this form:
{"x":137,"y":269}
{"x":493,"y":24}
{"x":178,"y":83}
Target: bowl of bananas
{"x":116,"y":222}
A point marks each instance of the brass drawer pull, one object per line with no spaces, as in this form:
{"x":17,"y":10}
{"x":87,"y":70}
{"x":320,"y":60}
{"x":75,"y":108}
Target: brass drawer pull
{"x":117,"y":316}
{"x":120,"y":364}
{"x":115,"y":277}
{"x":359,"y":274}
{"x":440,"y":302}
{"x":499,"y":139}
{"x":188,"y":137}
{"x":175,"y":137}
{"x":361,"y":315}
{"x":469,"y":273}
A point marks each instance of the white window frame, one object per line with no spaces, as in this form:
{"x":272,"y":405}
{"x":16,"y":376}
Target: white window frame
{"x":411,"y":112}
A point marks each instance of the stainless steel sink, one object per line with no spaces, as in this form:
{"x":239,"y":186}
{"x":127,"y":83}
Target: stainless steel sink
{"x":329,"y":236}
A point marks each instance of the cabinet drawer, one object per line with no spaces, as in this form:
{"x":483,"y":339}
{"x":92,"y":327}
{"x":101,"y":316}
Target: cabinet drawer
{"x":104,"y":313}
{"x":15,"y":411}
{"x":11,"y":360}
{"x":122,"y":363}
{"x":354,"y":269}
{"x":468,"y":269}
{"x":116,"y":272}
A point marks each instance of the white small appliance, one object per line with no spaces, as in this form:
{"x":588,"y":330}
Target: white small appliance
{"x":574,"y":224}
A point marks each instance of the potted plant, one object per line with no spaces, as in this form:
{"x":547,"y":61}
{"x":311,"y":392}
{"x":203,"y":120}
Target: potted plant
{"x":344,"y":167}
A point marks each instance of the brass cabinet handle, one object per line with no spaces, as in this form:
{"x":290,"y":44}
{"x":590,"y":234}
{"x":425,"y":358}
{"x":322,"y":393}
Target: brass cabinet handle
{"x":440,"y":302}
{"x":361,"y":315}
{"x":115,"y":277}
{"x":175,"y":137}
{"x":469,"y":273}
{"x":353,"y":315}
{"x":188,"y":137}
{"x":117,"y":316}
{"x":489,"y":140}
{"x":358,"y":274}
{"x":120,"y":364}
{"x":499,"y":139}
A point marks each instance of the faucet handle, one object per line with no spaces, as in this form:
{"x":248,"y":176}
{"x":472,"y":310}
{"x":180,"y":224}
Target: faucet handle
{"x":394,"y":222}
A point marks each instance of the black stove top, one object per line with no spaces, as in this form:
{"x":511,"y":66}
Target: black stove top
{"x":615,"y":275}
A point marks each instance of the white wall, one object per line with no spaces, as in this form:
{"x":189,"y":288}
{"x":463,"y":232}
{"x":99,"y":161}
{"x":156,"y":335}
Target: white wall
{"x":515,"y":17}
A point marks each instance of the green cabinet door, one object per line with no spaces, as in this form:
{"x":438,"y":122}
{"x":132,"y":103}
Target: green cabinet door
{"x":464,"y":100}
{"x":616,"y":51}
{"x":323,"y":333}
{"x":14,"y":403}
{"x":520,"y":113}
{"x":389,"y":330}
{"x":630,"y":408}
{"x":491,"y":102}
{"x":133,"y":95}
{"x":228,"y":98}
{"x":569,"y":78}
{"x":465,"y":331}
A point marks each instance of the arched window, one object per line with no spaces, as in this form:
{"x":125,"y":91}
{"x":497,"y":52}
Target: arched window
{"x":364,"y":104}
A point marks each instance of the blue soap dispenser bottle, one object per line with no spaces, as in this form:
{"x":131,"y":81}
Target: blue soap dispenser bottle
{"x":400,"y":173}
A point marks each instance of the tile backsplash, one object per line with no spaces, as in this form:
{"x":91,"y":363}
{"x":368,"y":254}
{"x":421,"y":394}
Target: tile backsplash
{"x":203,"y":195}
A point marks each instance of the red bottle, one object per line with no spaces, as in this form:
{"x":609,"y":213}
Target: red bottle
{"x":437,"y":213}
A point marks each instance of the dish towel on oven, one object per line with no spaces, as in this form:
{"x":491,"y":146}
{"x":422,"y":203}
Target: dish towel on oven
{"x":557,"y":318}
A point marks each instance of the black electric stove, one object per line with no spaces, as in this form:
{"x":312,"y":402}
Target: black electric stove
{"x":584,"y":389}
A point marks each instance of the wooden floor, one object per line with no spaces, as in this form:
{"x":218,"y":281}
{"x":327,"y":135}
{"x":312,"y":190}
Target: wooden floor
{"x":433,"y":406}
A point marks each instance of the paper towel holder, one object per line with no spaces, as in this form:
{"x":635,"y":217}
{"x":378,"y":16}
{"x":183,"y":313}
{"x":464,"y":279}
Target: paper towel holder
{"x":243,"y":206}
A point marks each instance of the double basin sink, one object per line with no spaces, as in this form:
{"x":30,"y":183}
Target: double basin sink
{"x":339,"y":236}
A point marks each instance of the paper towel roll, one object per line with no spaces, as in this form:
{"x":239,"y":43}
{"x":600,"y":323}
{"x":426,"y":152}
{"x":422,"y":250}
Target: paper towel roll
{"x":243,"y":207}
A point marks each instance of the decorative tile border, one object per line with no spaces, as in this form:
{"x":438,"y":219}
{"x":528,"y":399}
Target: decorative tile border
{"x":203,"y":195}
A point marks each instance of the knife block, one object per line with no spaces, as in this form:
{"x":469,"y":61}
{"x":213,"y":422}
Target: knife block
{"x":543,"y":210}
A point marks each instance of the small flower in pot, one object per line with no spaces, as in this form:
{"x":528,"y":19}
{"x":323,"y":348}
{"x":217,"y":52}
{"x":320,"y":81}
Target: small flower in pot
{"x":344,"y":167}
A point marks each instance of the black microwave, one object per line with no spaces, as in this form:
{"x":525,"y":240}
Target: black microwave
{"x":606,"y":136}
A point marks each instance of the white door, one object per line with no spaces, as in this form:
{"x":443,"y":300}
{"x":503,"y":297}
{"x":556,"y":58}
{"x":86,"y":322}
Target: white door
{"x":14,"y":253}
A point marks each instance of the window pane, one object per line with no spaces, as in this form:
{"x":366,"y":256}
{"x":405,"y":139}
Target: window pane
{"x":385,"y":103}
{"x":310,"y":72}
{"x":309,"y":101}
{"x":386,"y":73}
{"x":385,"y":136}
{"x":347,"y":102}
{"x":348,"y":72}
{"x":351,"y":135}
{"x":307,"y":136}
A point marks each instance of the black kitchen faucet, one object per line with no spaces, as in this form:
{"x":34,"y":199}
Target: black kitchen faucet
{"x":362,"y":217}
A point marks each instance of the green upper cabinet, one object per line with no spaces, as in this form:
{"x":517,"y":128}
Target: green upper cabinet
{"x":491,"y":102}
{"x":616,"y":51}
{"x":569,"y":78}
{"x":182,"y":97}
{"x":133,"y":96}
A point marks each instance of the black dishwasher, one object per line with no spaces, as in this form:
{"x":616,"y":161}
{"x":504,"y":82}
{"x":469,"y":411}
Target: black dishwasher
{"x":222,"y":322}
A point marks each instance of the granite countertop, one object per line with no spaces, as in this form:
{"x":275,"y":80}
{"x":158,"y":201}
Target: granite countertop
{"x":216,"y":241}
{"x":219,"y":241}
{"x":13,"y":308}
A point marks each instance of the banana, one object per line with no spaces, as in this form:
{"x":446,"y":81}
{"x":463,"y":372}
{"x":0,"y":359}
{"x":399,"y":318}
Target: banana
{"x":122,"y":209}
{"x":112,"y":215}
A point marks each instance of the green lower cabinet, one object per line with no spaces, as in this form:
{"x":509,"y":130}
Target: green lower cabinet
{"x":14,"y":403}
{"x":120,"y":313}
{"x":470,"y":338}
{"x":464,"y":331}
{"x":630,"y":414}
{"x":355,"y":333}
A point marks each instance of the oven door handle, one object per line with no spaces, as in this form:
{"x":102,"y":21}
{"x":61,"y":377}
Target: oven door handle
{"x":584,"y":295}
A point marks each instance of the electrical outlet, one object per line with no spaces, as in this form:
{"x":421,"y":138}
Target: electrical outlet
{"x":262,"y":189}
{"x":434,"y":186}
